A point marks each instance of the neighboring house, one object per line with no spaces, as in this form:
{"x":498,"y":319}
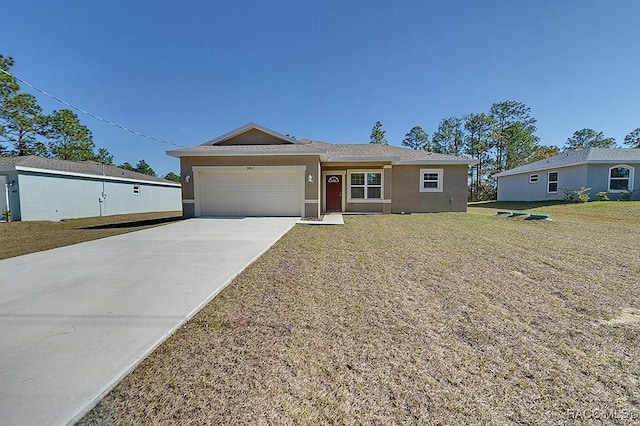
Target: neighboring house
{"x":601,"y":169}
{"x":254,"y":171}
{"x":36,"y":188}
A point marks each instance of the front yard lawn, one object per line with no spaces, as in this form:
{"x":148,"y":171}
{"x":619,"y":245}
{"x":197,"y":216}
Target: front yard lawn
{"x":418,"y":319}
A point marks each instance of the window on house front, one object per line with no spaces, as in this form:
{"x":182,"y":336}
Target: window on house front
{"x":620,"y":178}
{"x":552,"y":183}
{"x":365,"y":185}
{"x":431,"y":180}
{"x":136,"y":189}
{"x":533,"y":178}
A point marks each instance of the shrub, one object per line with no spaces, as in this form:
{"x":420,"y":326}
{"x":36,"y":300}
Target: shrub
{"x":483,"y":192}
{"x":603,"y":196}
{"x":583,"y":194}
{"x":626,"y":196}
{"x":568,"y":194}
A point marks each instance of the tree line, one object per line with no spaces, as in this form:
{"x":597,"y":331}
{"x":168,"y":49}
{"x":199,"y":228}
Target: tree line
{"x":26,"y":130}
{"x":499,"y":139}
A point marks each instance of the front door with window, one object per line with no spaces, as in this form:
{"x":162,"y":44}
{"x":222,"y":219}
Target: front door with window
{"x":334,"y":192}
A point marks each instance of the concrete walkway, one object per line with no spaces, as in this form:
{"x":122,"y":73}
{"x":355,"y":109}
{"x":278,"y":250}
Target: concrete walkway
{"x":332,"y":218}
{"x":75,"y":320}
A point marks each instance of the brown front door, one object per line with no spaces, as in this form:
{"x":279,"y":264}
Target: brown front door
{"x":334,"y":192}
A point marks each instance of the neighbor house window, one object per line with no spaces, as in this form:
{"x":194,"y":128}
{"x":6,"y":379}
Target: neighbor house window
{"x":431,"y":180}
{"x":621,"y":178}
{"x":365,"y":185}
{"x":533,"y":178}
{"x":553,"y":183}
{"x":136,"y":189}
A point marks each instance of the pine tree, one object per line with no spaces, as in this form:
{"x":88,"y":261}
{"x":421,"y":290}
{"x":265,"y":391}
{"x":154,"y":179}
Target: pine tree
{"x":589,"y":138}
{"x":378,"y":135}
{"x":417,"y":139}
{"x":633,"y":139}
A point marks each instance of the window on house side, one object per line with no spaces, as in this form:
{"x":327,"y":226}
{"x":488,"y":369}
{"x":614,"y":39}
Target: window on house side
{"x":620,"y":178}
{"x":533,"y":178}
{"x":431,"y":180}
{"x":552,"y":187}
{"x":366,"y":185}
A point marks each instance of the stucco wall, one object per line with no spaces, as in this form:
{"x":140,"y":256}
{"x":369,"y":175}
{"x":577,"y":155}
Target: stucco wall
{"x":54,"y":197}
{"x":377,"y":206}
{"x":594,"y":176}
{"x":406,"y":195}
{"x":311,"y":164}
{"x":598,"y":180}
{"x":518,"y":188}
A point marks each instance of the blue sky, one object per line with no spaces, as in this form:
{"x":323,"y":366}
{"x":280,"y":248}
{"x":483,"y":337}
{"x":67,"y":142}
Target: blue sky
{"x":189,"y":71}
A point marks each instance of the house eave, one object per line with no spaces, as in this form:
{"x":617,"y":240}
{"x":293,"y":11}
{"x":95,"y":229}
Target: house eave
{"x":436,"y":162}
{"x":542,"y":169}
{"x":514,"y":172}
{"x":90,"y":176}
{"x":237,"y":153}
{"x":361,"y":159}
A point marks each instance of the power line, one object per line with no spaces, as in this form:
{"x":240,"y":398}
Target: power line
{"x":126,"y":129}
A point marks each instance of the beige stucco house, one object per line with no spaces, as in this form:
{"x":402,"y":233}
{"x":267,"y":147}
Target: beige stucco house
{"x":255,"y":171}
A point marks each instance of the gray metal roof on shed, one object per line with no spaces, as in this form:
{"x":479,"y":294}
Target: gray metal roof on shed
{"x":88,"y":168}
{"x":577,"y":157}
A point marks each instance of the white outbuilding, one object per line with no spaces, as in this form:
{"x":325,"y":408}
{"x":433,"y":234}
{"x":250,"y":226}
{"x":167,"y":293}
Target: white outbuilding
{"x":37,"y":188}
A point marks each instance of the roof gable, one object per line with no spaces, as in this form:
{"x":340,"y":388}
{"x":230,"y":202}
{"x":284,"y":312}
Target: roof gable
{"x":251,"y":134}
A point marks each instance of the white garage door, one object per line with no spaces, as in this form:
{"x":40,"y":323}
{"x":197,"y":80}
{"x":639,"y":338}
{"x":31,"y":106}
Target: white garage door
{"x":258,"y":191}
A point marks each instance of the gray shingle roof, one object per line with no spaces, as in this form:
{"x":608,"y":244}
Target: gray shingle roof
{"x":80,"y":167}
{"x":331,"y":152}
{"x":362,"y":152}
{"x":580,"y":156}
{"x":326,"y":151}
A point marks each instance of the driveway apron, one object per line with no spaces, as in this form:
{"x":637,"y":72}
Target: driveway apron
{"x":75,"y":320}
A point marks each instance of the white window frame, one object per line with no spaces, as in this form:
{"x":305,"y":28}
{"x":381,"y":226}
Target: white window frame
{"x":533,"y":178}
{"x":630,"y":185}
{"x":549,"y":181}
{"x":366,"y":186}
{"x":136,"y":190}
{"x":440,"y":173}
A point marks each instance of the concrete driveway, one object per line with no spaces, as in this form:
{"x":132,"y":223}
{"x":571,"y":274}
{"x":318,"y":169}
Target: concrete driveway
{"x":75,"y":320}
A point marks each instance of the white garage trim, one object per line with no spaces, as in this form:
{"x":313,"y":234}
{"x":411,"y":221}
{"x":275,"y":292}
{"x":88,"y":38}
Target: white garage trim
{"x":200,"y":171}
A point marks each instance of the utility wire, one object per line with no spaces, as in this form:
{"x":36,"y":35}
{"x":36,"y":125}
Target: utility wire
{"x":126,"y":129}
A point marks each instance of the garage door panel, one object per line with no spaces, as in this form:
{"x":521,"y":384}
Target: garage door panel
{"x":251,"y":192}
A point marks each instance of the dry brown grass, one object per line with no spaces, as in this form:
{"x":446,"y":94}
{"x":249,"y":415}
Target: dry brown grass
{"x":18,"y":238}
{"x":421,"y":319}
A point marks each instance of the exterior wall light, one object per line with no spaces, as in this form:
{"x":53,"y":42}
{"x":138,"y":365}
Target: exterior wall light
{"x":310,"y":178}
